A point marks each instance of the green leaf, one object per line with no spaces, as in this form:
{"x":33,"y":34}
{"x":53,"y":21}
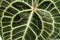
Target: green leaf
{"x":30,"y":19}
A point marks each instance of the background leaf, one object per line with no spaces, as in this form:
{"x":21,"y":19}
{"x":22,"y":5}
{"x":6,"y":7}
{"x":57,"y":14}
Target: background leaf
{"x":0,"y":16}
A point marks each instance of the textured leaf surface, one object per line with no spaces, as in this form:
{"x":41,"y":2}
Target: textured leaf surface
{"x":0,"y":17}
{"x":30,"y":19}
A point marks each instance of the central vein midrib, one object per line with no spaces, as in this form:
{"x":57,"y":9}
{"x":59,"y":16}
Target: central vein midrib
{"x":28,"y":24}
{"x":29,"y":20}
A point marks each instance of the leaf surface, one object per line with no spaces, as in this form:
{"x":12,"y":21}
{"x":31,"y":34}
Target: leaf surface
{"x":30,"y":19}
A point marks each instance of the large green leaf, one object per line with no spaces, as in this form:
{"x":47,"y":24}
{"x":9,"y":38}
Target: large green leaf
{"x":30,"y":19}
